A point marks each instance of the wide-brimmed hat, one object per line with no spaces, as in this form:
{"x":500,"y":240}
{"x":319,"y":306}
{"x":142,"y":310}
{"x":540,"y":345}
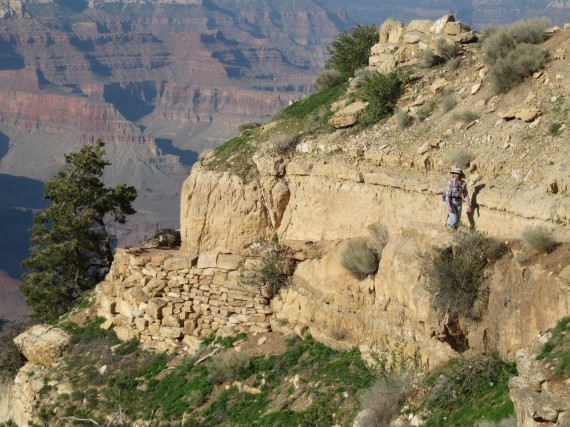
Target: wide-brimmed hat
{"x":458,"y":171}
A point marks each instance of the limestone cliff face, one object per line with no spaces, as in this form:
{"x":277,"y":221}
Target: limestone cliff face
{"x":335,"y":201}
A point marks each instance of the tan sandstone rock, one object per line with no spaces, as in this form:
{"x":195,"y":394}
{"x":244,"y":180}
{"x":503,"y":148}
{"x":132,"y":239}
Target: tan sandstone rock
{"x":42,"y":344}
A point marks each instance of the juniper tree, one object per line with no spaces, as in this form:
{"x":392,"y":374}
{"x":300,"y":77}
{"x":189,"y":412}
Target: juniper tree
{"x":350,"y":51}
{"x":71,"y":245}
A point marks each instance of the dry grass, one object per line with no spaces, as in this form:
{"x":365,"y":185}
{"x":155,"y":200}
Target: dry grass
{"x":227,"y":366}
{"x":539,"y":239}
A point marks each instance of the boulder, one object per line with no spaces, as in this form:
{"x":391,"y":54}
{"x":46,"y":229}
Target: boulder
{"x":42,"y":344}
{"x":420,"y":25}
{"x":348,"y":116}
{"x":387,"y":27}
{"x":441,"y":23}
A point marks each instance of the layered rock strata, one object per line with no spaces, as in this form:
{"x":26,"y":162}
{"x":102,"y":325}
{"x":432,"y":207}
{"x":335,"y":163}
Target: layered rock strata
{"x":336,"y":201}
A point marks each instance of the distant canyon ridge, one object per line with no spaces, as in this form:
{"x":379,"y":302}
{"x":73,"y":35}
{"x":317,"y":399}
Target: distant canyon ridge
{"x":158,"y":81}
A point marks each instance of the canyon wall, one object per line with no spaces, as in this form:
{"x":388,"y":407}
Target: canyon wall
{"x":335,"y":201}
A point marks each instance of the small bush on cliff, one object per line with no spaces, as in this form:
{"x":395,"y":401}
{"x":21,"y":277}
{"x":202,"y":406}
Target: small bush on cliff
{"x":462,"y":158}
{"x":403,"y":120}
{"x":557,"y":350}
{"x":72,"y":247}
{"x":539,"y":239}
{"x":328,"y":79}
{"x":350,"y":51}
{"x":428,"y":59}
{"x":227,"y":366}
{"x":512,"y":52}
{"x":247,"y":126}
{"x":497,"y":43}
{"x":361,"y":256}
{"x":455,"y":274}
{"x":384,"y":398}
{"x":10,"y":357}
{"x":381,"y":91}
{"x":359,"y":259}
{"x":520,"y":62}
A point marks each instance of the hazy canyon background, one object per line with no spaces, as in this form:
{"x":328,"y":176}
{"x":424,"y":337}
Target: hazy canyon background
{"x":161,"y":81}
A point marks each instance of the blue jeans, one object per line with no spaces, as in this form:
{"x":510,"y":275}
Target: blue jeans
{"x":455,"y":216}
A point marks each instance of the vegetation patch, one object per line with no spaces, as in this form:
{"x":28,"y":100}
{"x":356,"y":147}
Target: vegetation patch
{"x":107,"y":375}
{"x":513,"y":53}
{"x":468,"y":389}
{"x":381,"y":92}
{"x":462,"y":158}
{"x":349,"y":51}
{"x":456,"y":274}
{"x":328,"y":79}
{"x":466,"y":116}
{"x":361,"y":256}
{"x":557,"y":350}
{"x":538,"y":238}
{"x":235,"y":155}
{"x":403,"y":120}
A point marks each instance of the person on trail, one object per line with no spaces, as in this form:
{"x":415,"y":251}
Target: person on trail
{"x":454,"y":195}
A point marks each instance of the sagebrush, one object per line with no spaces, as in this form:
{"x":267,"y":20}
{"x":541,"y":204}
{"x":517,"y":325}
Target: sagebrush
{"x":519,"y":63}
{"x":456,"y":274}
{"x":538,"y":238}
{"x":384,"y":399}
{"x":227,"y":366}
{"x":328,"y":79}
{"x":403,"y":119}
{"x":359,"y":259}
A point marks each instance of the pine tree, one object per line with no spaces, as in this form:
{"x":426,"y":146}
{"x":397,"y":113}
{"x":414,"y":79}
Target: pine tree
{"x":71,"y":247}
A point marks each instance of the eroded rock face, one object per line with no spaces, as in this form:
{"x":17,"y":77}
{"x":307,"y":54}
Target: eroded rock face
{"x":337,"y":200}
{"x":539,"y":398}
{"x":42,"y":344}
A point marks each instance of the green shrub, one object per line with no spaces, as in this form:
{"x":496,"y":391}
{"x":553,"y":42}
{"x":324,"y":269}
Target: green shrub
{"x":497,"y":43}
{"x":557,"y":350}
{"x":448,"y":101}
{"x":274,"y":270}
{"x":555,"y":129}
{"x":248,"y":125}
{"x":403,"y":119}
{"x":445,"y":49}
{"x":350,"y":51}
{"x":428,"y":59}
{"x":462,"y":158}
{"x":454,"y":63}
{"x":378,"y":237}
{"x":328,"y":79}
{"x":468,"y":389}
{"x":11,"y":360}
{"x":426,"y":110}
{"x":381,"y":91}
{"x":455,"y":274}
{"x":384,"y":398}
{"x":359,"y":259}
{"x":519,"y":63}
{"x":466,"y":116}
{"x":539,"y":239}
{"x":227,"y":366}
{"x":283,"y":143}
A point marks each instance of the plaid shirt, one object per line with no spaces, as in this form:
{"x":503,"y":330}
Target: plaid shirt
{"x":455,"y":191}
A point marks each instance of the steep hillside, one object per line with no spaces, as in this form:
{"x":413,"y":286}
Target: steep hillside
{"x":269,"y":220}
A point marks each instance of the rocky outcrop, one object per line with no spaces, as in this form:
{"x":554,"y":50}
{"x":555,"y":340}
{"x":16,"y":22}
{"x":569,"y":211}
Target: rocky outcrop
{"x":401,"y":44}
{"x":394,"y":305}
{"x":170,"y":302}
{"x":539,"y":397}
{"x":42,"y":344}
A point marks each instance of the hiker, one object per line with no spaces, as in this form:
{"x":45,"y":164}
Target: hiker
{"x":454,"y":195}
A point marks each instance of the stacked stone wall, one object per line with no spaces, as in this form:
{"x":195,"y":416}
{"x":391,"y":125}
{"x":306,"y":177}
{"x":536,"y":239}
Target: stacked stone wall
{"x":169,"y":301}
